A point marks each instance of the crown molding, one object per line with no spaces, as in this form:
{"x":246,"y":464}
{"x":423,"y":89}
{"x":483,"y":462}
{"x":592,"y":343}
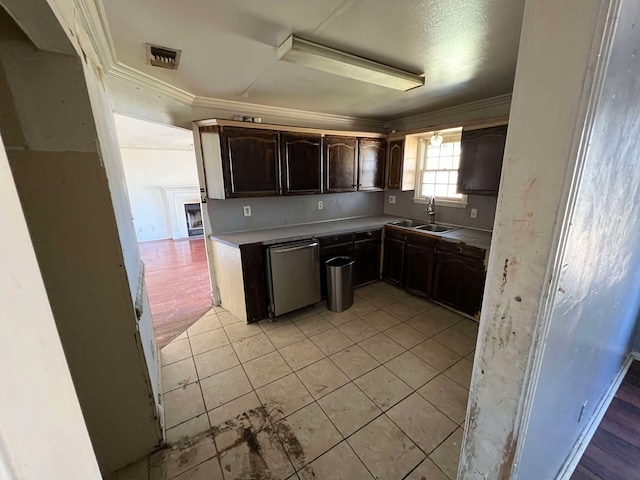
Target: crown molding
{"x":279,"y":113}
{"x":498,"y":106}
{"x":93,"y":17}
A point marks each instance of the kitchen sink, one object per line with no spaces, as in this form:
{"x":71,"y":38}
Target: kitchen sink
{"x":433,"y":228}
{"x":409,"y":223}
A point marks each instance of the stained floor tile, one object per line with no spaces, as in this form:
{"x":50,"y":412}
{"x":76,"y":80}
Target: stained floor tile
{"x":339,"y":463}
{"x":307,"y":434}
{"x":354,"y":361}
{"x":296,"y":388}
{"x":331,"y":341}
{"x":411,"y":370}
{"x":301,"y":354}
{"x":422,"y":422}
{"x":178,"y":374}
{"x":266,"y":369}
{"x":284,"y":396}
{"x":447,"y":455}
{"x":383,"y":387}
{"x":385,"y":450}
{"x":215,"y":361}
{"x":446,"y":395}
{"x":349,"y":409}
{"x":321,"y":378}
{"x":224,"y":387}
{"x":183,"y":404}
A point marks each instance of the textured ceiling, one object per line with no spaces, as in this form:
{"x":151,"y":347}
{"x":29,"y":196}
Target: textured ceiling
{"x":140,"y":134}
{"x":467,"y":49}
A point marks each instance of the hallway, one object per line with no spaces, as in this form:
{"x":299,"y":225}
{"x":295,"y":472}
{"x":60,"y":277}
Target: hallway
{"x":178,"y":285}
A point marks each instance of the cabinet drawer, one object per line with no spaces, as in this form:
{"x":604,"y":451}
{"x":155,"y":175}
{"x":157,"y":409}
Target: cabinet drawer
{"x":462,"y":249}
{"x":395,"y":234}
{"x":335,"y":239}
{"x":368,"y":235}
{"x":421,"y":240}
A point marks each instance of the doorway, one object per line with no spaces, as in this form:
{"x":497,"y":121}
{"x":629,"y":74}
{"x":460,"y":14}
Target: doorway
{"x":162,"y":181}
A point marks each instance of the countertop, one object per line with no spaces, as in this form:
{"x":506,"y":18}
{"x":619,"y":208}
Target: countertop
{"x":270,"y":236}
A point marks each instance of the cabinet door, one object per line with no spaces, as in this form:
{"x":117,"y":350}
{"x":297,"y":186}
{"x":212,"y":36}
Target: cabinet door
{"x":372,"y":160}
{"x":394,"y":165}
{"x":250,"y":162}
{"x":481,"y":154}
{"x":340,"y":162}
{"x":327,"y":253}
{"x":418,"y":268}
{"x":458,"y":282}
{"x":393,"y":264}
{"x":301,"y":164}
{"x":367,"y":256}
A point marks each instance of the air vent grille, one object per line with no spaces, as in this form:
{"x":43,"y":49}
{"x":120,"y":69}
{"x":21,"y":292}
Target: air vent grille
{"x":163,"y":57}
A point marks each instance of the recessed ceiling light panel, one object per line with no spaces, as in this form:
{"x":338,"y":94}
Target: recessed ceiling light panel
{"x":336,"y":62}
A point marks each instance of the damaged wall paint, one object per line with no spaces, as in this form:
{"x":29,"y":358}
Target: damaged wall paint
{"x":559,"y":40}
{"x":594,"y":311}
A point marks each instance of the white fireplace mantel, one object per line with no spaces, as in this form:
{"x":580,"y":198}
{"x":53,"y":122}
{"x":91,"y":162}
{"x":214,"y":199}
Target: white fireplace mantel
{"x":177,"y":197}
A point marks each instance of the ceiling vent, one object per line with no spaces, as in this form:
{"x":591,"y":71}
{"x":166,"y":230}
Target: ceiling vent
{"x":163,"y":57}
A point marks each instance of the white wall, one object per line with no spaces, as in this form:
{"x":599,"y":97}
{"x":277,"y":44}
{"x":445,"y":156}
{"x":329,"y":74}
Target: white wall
{"x":559,"y":64}
{"x":42,"y":431}
{"x":596,"y":302}
{"x":92,"y":274}
{"x":147,"y":171}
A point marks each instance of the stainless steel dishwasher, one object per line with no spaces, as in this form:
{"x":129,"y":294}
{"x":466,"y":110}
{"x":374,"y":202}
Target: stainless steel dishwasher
{"x":294,"y":276}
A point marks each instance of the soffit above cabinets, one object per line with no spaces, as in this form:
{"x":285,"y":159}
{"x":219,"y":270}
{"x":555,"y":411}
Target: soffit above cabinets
{"x":467,"y":49}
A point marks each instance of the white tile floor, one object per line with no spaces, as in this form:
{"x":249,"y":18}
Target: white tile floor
{"x":378,"y":391}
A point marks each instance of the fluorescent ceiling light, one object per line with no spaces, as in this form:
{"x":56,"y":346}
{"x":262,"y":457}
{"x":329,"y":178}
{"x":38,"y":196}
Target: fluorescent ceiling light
{"x":312,"y":55}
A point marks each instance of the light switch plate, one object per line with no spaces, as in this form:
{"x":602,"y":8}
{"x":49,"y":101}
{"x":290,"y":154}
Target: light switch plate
{"x":474,"y":213}
{"x":392,"y":199}
{"x":246,"y":210}
{"x":320,"y":205}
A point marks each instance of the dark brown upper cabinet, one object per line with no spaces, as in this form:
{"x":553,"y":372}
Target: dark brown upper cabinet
{"x":340,"y":164}
{"x":372,"y":160}
{"x":394,"y":165}
{"x":250,"y":162}
{"x":301,"y":161}
{"x":481,"y":155}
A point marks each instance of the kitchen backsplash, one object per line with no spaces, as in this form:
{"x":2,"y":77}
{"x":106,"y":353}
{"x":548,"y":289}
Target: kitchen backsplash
{"x":406,"y":207}
{"x":268,"y":212}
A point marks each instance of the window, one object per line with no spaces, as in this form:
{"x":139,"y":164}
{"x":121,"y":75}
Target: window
{"x":438,"y":174}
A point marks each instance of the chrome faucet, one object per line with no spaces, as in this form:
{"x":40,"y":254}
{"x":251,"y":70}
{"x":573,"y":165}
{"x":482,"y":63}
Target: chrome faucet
{"x":431,"y":210}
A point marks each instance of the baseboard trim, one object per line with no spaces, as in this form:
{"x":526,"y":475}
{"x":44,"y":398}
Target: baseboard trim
{"x":583,"y":442}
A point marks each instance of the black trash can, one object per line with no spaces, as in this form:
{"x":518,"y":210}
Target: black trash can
{"x":339,"y":283}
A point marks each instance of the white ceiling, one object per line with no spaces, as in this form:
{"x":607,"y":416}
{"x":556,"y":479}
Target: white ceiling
{"x":467,"y":49}
{"x":134,"y":133}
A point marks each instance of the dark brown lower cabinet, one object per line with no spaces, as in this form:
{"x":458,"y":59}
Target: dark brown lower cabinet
{"x":367,"y":256}
{"x":328,"y":252}
{"x":458,"y":281}
{"x":419,"y":260}
{"x":393,"y":264}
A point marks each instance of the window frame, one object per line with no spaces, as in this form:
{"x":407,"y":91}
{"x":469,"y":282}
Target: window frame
{"x":423,"y":144}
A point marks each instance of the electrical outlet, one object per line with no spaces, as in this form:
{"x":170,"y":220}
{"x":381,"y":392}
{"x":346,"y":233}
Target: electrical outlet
{"x":392,"y":199}
{"x":246,"y":210}
{"x":474,"y":213}
{"x":320,"y":205}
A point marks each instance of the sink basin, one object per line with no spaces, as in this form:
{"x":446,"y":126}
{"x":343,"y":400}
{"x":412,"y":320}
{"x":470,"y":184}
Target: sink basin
{"x":433,"y":228}
{"x":408,"y":223}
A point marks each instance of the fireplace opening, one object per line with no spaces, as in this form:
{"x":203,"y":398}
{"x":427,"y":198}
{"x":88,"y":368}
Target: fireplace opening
{"x":193,"y":216}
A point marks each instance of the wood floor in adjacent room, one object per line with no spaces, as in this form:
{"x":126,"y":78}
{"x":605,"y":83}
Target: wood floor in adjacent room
{"x":614,"y":450}
{"x":178,"y":285}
